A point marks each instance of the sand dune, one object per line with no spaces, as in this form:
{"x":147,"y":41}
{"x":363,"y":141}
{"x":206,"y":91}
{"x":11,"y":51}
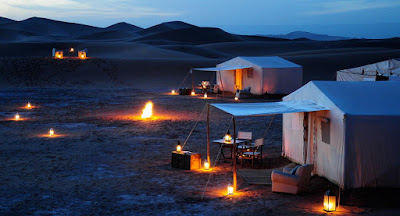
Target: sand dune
{"x":194,"y":35}
{"x":167,"y":26}
{"x":5,"y":20}
{"x":123,"y":26}
{"x":109,"y":35}
{"x":50,"y":27}
{"x":196,"y":50}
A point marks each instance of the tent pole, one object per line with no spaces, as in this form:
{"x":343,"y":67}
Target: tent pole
{"x":208,"y":133}
{"x":192,"y":79}
{"x":234,"y":156}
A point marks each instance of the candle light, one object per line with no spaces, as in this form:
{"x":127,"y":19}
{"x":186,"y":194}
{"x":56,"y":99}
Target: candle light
{"x":51,"y":132}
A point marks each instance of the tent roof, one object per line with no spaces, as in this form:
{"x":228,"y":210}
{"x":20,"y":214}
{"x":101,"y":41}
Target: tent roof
{"x":262,"y":109}
{"x":223,"y":68}
{"x":388,"y":67}
{"x":363,"y":98}
{"x":270,"y":61}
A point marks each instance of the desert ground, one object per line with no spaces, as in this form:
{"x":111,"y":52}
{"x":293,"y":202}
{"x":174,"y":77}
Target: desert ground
{"x":106,"y":160}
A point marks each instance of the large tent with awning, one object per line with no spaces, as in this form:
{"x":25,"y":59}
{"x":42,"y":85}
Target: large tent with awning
{"x":268,"y":74}
{"x":384,"y":70}
{"x":354,"y":144}
{"x":258,"y":109}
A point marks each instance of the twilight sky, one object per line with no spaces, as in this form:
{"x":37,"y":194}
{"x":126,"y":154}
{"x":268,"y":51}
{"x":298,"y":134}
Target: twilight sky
{"x":351,"y":18}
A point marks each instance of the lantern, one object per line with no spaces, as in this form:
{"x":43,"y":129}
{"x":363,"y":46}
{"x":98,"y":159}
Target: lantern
{"x":230,"y":189}
{"x":28,"y":105}
{"x":329,"y":201}
{"x":71,"y":50}
{"x":227,"y":137}
{"x":236,"y":98}
{"x":193,"y":93}
{"x":82,"y":56}
{"x":206,"y":165}
{"x":179,"y":147}
{"x":205,"y":94}
{"x":173,"y":92}
{"x":17,"y":117}
{"x":51,"y":132}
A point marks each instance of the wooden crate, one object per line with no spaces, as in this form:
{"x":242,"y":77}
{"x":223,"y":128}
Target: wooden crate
{"x":186,"y":160}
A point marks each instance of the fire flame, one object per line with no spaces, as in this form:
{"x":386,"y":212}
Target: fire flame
{"x":148,"y":110}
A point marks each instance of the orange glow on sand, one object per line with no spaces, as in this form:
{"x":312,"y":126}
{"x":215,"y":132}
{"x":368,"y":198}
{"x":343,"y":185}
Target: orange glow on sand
{"x":148,"y":110}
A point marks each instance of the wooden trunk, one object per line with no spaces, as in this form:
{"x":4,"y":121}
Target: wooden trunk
{"x":186,"y":160}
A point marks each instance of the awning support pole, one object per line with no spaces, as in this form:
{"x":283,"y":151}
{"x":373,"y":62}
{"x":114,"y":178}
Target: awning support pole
{"x":208,"y":133}
{"x":192,"y":80}
{"x":234,"y":156}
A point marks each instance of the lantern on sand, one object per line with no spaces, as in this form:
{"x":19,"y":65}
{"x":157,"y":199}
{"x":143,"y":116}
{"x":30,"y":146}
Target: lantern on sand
{"x":17,"y":117}
{"x":206,"y":165}
{"x":236,"y":98}
{"x":230,"y":189}
{"x":28,"y":105}
{"x":193,"y":93}
{"x":179,"y":147}
{"x":227,"y":137}
{"x":205,"y":94}
{"x":173,"y":92}
{"x":329,"y":201}
{"x":51,"y":132}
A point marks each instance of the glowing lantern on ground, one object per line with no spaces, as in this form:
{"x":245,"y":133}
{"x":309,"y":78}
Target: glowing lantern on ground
{"x":193,"y":93}
{"x":71,"y":50}
{"x":228,"y":137}
{"x":179,"y":147}
{"x":230,"y":189}
{"x":236,"y":98}
{"x":173,"y":92}
{"x":17,"y":117}
{"x":82,"y":54}
{"x":51,"y":132}
{"x":28,"y":105}
{"x":206,"y":165}
{"x":329,"y":201}
{"x":205,"y":94}
{"x":148,"y":110}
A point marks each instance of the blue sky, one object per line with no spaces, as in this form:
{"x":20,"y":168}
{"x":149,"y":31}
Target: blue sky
{"x":353,"y":18}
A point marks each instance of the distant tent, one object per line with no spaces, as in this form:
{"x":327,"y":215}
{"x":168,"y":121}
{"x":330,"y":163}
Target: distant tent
{"x":354,"y":144}
{"x":384,"y":70}
{"x":272,"y":75}
{"x":83,"y":53}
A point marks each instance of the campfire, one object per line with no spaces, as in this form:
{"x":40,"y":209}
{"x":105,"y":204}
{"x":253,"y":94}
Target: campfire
{"x":148,"y":110}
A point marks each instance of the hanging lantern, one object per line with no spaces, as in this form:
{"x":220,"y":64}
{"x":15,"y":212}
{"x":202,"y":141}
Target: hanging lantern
{"x":17,"y":117}
{"x":329,"y":201}
{"x":51,"y":132}
{"x":179,"y":147}
{"x":71,"y":50}
{"x":228,"y":137}
{"x":28,"y":105}
{"x":206,"y":165}
{"x":236,"y":98}
{"x":205,"y":94}
{"x":230,"y":189}
{"x":173,"y":92}
{"x":193,"y":93}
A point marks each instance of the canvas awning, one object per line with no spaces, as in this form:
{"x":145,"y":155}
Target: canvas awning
{"x":223,"y":68}
{"x":262,"y":109}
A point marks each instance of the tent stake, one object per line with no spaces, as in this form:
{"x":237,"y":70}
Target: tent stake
{"x":234,"y":156}
{"x":208,"y":133}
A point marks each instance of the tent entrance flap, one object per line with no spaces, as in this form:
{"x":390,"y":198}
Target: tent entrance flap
{"x":270,"y":108}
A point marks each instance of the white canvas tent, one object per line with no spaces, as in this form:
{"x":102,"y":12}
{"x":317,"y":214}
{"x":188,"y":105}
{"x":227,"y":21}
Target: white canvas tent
{"x":354,"y":144}
{"x":271,"y":74}
{"x":389,"y":69}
